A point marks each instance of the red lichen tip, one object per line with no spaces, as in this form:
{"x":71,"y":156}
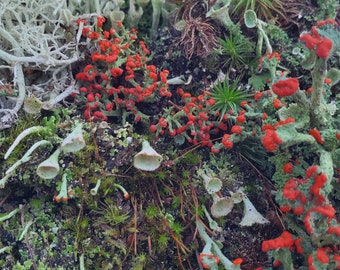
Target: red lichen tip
{"x":286,"y":87}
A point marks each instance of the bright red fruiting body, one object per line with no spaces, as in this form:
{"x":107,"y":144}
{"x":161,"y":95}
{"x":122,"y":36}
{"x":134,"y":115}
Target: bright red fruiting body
{"x":271,"y":140}
{"x":321,"y":45}
{"x":298,"y":246}
{"x":214,"y":150}
{"x":241,"y":118}
{"x":236,"y":129}
{"x":258,"y":95}
{"x":284,"y":122}
{"x":310,"y":262}
{"x":276,"y":103}
{"x":311,"y":171}
{"x":226,"y":141}
{"x":291,"y":192}
{"x":319,"y":182}
{"x":90,"y":97}
{"x":322,"y":256}
{"x":99,"y":116}
{"x":285,"y":208}
{"x":324,"y":48}
{"x":327,"y":21}
{"x":276,"y":263}
{"x":274,"y":55}
{"x":237,"y":261}
{"x":335,"y":230}
{"x":285,"y":240}
{"x":328,"y":81}
{"x":298,"y":210}
{"x":310,"y":41}
{"x":286,"y":87}
{"x":162,"y":122}
{"x":100,"y":21}
{"x":317,"y":136}
{"x":153,"y":128}
{"x":288,"y":168}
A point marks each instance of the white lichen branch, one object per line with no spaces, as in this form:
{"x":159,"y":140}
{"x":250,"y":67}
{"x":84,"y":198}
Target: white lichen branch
{"x":32,"y":37}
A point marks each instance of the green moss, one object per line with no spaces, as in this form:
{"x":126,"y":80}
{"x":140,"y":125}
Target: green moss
{"x":227,"y":97}
{"x":151,"y":211}
{"x":327,"y":9}
{"x":190,"y":159}
{"x":163,"y":241}
{"x":236,"y":52}
{"x":109,"y":213}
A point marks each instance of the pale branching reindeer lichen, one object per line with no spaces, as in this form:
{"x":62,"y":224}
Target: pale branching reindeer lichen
{"x":33,"y":38}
